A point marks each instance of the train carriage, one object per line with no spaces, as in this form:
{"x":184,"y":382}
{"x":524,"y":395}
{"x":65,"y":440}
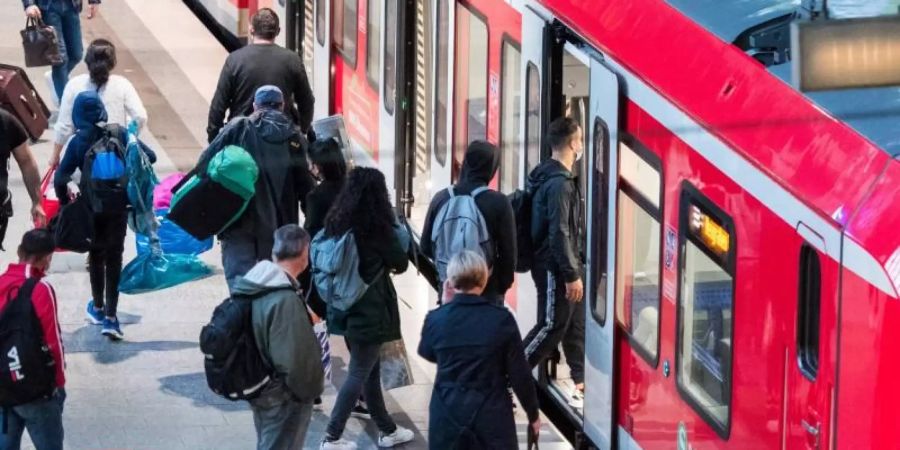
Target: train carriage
{"x":742,"y":262}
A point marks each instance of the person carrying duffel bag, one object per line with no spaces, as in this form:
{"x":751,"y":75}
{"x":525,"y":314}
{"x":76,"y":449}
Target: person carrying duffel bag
{"x":222,"y":196}
{"x":99,"y":151}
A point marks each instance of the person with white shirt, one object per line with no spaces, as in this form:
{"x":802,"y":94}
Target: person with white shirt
{"x":118,"y":94}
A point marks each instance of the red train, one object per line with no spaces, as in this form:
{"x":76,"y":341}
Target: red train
{"x":744,"y":256}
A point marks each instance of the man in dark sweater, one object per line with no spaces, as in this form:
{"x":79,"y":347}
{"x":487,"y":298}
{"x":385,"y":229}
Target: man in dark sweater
{"x":480,"y":165}
{"x":261,"y":63}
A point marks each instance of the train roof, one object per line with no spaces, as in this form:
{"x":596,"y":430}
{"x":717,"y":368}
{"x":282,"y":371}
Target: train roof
{"x":825,"y":150}
{"x":872,"y":112}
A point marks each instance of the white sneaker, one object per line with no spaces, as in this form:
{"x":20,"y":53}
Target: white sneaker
{"x":577,"y":399}
{"x":399,"y":436}
{"x":340,"y":444}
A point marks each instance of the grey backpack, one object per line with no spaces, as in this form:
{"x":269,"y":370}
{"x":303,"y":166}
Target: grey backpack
{"x":335,"y":270}
{"x":460,"y":226}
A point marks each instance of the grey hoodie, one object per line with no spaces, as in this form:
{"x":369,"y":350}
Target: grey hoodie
{"x":282,"y":329}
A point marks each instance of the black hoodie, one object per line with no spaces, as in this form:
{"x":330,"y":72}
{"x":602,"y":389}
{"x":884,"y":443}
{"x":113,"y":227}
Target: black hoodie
{"x":555,"y":215}
{"x":480,"y":165}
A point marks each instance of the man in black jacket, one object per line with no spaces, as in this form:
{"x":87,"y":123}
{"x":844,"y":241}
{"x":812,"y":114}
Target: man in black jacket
{"x":556,"y":215}
{"x":480,"y":165}
{"x":279,"y":150}
{"x":261,"y":63}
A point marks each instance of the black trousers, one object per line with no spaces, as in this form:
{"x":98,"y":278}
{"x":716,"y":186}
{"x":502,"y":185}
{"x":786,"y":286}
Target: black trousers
{"x":105,"y":260}
{"x":555,"y":319}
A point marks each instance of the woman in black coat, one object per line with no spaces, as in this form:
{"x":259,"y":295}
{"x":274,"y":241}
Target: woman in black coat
{"x":327,"y":166}
{"x":478,"y":351}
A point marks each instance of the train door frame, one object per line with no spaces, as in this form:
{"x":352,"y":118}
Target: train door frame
{"x":441,"y":154}
{"x":322,"y":68}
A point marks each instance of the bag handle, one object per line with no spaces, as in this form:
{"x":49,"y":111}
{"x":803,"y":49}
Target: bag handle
{"x":45,"y":181}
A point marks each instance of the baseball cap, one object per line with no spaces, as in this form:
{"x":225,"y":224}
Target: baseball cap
{"x":268,"y":96}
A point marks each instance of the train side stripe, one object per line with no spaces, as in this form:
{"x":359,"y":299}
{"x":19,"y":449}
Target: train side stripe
{"x":749,"y":177}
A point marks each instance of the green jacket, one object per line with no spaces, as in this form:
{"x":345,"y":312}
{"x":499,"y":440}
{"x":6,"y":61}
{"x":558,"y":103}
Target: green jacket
{"x":283,"y":331}
{"x":375,"y":318}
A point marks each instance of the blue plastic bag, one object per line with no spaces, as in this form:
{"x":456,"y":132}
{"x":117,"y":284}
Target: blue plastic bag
{"x":153,"y":271}
{"x":141,"y":181}
{"x":172,"y":239}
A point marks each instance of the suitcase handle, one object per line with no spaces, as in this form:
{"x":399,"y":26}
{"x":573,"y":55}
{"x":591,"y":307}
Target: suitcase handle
{"x":34,"y":114}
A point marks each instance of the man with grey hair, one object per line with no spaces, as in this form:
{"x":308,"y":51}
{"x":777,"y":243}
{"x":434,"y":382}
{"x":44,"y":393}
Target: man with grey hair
{"x":286,"y":341}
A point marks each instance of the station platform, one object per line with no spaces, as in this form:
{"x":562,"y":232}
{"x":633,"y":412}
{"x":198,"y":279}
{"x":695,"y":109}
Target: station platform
{"x":149,"y":391}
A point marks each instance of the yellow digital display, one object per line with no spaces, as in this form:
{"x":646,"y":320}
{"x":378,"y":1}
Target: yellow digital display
{"x":709,"y":232}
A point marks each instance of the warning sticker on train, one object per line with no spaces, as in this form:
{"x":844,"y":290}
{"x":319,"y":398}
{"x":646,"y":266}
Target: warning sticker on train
{"x":671,"y":246}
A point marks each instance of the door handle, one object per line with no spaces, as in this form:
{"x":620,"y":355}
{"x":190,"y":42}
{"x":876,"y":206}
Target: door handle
{"x":812,"y":431}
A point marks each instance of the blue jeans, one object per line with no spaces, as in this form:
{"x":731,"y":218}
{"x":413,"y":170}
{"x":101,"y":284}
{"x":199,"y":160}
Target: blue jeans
{"x":363,"y":376}
{"x":63,"y":17}
{"x":42,"y":419}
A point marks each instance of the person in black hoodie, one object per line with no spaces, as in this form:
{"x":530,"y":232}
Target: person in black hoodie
{"x":557,"y":269}
{"x":260,"y":63}
{"x":279,"y":150}
{"x":480,"y":165}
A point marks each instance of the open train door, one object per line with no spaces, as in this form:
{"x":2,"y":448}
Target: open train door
{"x":322,"y":59}
{"x":443,"y":70}
{"x":599,"y":421}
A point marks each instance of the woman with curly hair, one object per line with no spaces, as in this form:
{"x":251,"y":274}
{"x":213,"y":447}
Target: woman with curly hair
{"x":363,"y":208}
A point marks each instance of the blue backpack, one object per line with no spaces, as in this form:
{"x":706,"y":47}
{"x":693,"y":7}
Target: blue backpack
{"x":335,"y":270}
{"x":459,"y":225}
{"x":104,"y":179}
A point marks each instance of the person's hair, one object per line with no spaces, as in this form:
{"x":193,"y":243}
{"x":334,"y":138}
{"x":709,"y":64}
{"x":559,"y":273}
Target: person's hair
{"x":290,"y":242}
{"x":326,"y":153}
{"x":101,"y":60}
{"x":36,"y":244}
{"x":362,"y":206}
{"x":467,"y":270}
{"x":561,"y":132}
{"x":265,"y":24}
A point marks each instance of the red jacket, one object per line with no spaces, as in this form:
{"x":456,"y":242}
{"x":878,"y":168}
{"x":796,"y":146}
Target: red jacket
{"x":44,"y":300}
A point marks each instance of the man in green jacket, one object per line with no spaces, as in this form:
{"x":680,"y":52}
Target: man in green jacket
{"x":286,"y":341}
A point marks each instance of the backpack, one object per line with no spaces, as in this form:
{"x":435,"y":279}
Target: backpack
{"x":103,"y":176}
{"x":459,"y":225}
{"x":208,"y":202}
{"x":335,"y":270}
{"x":23,"y":352}
{"x":235,"y":369}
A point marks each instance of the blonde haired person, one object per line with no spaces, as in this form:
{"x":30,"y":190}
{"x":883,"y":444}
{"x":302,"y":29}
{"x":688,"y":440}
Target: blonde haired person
{"x":478,"y":351}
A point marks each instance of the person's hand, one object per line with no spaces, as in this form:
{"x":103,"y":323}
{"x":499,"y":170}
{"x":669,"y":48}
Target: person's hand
{"x":54,"y":161}
{"x":38,"y":216}
{"x":33,"y":12}
{"x":314,"y":317}
{"x":74,"y":192}
{"x":536,"y":428}
{"x":448,"y":292}
{"x":575,"y":291}
{"x":92,"y":10}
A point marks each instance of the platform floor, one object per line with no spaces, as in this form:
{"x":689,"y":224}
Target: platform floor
{"x":149,"y":391}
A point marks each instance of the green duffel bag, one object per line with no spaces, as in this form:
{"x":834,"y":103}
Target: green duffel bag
{"x":207,"y":203}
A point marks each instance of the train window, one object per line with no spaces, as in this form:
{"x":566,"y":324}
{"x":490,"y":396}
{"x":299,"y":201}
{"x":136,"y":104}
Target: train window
{"x":373,"y":41}
{"x":532,"y":117}
{"x":390,"y":52}
{"x":808,"y":317}
{"x":345,"y":28}
{"x":705,"y":309}
{"x":442,"y":91}
{"x":600,"y":218}
{"x":510,"y":113}
{"x":638,"y":247}
{"x":470,"y":81}
{"x":320,"y":21}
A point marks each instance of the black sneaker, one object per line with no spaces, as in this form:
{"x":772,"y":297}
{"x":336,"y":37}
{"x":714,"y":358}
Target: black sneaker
{"x":360,"y":411}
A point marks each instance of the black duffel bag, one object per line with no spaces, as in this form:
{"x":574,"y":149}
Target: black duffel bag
{"x":73,"y":226}
{"x":41,"y":44}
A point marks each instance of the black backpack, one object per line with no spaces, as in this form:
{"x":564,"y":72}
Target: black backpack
{"x":104,"y":179}
{"x":28,"y":369}
{"x":235,"y":369}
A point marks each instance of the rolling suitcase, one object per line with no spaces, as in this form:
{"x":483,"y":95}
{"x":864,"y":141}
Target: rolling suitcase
{"x":17,"y":95}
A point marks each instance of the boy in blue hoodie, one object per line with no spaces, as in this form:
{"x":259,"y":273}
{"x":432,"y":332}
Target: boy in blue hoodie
{"x":110,"y":225}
